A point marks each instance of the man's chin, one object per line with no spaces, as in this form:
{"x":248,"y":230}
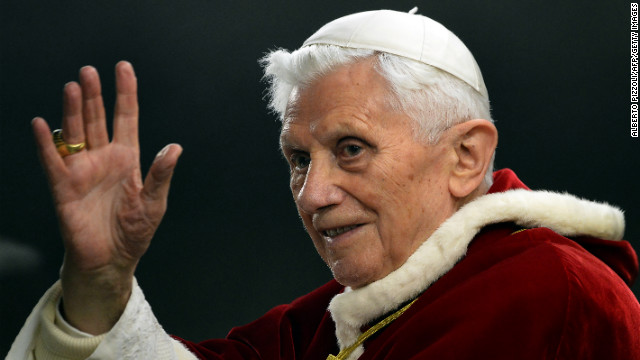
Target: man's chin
{"x":353,"y":275}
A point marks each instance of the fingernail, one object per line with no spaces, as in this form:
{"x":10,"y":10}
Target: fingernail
{"x":86,"y":69}
{"x":163,"y":152}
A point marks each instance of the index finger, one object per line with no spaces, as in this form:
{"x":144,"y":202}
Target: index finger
{"x":125,"y":121}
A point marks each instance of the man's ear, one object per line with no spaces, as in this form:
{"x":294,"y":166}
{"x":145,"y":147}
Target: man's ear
{"x":474,"y":145}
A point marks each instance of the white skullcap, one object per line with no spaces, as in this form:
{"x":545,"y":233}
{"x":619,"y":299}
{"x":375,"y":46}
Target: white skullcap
{"x":405,"y":34}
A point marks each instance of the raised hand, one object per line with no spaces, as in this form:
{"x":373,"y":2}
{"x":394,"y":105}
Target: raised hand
{"x":107,"y":214}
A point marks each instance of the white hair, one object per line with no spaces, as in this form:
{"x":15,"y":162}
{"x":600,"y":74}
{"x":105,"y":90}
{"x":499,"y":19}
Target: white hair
{"x":434,"y":99}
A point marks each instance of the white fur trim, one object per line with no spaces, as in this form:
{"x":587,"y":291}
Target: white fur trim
{"x":563,"y":213}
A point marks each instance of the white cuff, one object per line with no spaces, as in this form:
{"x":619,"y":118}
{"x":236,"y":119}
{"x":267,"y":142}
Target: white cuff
{"x":67,"y":328}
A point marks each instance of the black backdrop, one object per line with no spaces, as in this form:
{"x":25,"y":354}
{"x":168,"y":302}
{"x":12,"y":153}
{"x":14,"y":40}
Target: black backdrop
{"x":231,"y":245}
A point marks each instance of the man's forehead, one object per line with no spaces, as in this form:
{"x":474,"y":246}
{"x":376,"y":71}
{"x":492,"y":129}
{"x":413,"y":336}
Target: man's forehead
{"x":342,"y":78}
{"x":292,"y":111}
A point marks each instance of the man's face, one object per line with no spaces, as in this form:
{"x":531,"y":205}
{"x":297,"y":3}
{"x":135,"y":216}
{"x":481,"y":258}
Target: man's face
{"x":368,"y":193}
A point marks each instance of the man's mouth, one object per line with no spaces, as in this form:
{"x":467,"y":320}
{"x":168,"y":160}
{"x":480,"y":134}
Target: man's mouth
{"x":338,"y":231}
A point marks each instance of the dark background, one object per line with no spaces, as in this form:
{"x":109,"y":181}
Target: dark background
{"x":231,"y":245}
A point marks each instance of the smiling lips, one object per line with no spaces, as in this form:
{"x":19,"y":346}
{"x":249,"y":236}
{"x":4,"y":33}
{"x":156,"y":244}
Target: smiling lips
{"x":338,"y":231}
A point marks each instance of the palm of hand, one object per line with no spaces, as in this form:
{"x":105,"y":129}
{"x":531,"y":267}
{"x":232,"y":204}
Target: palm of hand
{"x":103,"y":217}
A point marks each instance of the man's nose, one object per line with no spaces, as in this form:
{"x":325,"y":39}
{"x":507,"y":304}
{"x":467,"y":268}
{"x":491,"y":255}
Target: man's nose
{"x":320,"y":188}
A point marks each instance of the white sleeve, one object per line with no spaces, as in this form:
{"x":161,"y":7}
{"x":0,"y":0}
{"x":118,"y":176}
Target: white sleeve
{"x":136,"y":335}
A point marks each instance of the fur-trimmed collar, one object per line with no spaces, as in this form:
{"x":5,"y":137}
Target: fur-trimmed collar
{"x":563,"y":213}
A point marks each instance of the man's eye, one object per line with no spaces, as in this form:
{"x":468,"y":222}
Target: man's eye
{"x":352,"y":150}
{"x":300,"y":161}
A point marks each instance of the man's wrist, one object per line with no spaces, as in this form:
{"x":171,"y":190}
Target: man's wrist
{"x":63,"y":325}
{"x":93,"y":304}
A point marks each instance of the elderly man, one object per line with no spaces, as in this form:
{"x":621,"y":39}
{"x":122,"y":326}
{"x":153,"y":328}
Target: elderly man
{"x":387,"y":132}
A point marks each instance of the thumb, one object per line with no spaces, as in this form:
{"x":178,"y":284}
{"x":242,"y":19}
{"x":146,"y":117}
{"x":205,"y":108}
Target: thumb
{"x":156,"y":184}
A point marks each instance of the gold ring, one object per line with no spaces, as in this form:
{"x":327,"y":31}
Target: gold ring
{"x":65,"y":149}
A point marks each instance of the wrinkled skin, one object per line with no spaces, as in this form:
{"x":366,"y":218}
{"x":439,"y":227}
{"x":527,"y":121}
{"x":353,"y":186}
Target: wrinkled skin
{"x":107,"y":214}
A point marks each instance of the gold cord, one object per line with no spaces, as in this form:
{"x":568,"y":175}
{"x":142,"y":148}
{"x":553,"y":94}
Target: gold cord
{"x":386,"y":321}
